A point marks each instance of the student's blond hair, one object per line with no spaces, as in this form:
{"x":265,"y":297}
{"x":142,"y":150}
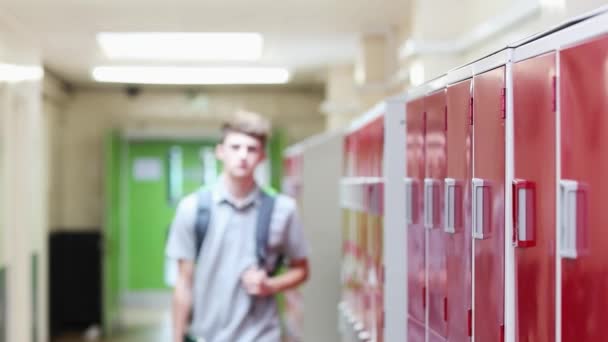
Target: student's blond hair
{"x":248,"y":123}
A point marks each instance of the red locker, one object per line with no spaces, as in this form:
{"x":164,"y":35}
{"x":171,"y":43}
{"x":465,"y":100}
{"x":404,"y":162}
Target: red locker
{"x":457,"y":223}
{"x":415,"y":123}
{"x":534,"y":198}
{"x":435,"y":172}
{"x":584,"y":190}
{"x":488,"y":204}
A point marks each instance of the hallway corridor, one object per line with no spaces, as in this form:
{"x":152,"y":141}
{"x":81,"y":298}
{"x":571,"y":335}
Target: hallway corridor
{"x":141,"y":324}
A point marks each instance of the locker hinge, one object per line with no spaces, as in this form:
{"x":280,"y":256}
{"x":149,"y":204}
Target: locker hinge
{"x":424,"y":120}
{"x":445,"y":309}
{"x":445,"y":122}
{"x":503,"y":103}
{"x":470,"y":322}
{"x":502,"y":333}
{"x":554,"y":94}
{"x":471,"y":111}
{"x":424,"y":297}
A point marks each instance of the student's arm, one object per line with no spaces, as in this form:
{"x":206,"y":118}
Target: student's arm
{"x":258,"y":283}
{"x":182,"y":300}
{"x":296,"y":275}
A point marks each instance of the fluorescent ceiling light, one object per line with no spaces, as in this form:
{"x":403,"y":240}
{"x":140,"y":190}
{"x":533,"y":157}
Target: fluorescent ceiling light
{"x":182,"y":46}
{"x":190,"y":75}
{"x":553,"y":4}
{"x":19,"y":73}
{"x":417,"y":73}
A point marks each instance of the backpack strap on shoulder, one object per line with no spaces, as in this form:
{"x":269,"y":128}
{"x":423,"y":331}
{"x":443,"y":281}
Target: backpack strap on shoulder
{"x":267,"y":202}
{"x":203,"y":215}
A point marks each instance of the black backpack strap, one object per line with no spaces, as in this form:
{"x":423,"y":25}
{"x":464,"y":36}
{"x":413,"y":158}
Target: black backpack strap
{"x":265,"y":210}
{"x":203,"y":215}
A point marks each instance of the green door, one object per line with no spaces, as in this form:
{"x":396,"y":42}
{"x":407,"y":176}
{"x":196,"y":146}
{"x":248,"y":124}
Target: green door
{"x":159,"y":174}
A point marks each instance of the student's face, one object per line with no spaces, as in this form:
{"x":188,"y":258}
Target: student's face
{"x":241,"y":154}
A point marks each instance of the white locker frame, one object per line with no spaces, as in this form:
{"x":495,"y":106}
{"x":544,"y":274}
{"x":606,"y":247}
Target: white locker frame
{"x":395,"y":233}
{"x":302,"y":149}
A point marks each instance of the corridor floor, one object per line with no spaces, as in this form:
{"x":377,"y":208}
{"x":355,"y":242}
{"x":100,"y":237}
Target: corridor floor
{"x":139,"y":325}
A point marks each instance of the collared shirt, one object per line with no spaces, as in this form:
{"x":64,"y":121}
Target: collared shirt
{"x":222,"y":310}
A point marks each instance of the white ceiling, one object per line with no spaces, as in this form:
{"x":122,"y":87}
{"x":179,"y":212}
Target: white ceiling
{"x":304,"y":35}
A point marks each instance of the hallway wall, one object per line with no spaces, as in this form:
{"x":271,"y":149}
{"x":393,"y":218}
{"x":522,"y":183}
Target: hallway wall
{"x":89,"y":113}
{"x":23,"y":170}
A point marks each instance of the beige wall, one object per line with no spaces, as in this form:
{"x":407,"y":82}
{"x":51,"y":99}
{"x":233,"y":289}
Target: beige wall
{"x":90,"y":113}
{"x":353,"y":88}
{"x":53,"y":107}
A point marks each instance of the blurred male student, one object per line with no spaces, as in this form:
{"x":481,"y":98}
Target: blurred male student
{"x":229,"y":240}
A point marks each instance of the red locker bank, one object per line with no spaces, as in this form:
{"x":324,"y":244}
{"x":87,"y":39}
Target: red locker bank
{"x":435,"y":173}
{"x":416,"y":269}
{"x":457,"y":194}
{"x":488,"y":197}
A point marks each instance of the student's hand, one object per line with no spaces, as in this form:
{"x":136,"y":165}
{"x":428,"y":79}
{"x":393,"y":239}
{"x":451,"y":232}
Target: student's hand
{"x":257,"y":283}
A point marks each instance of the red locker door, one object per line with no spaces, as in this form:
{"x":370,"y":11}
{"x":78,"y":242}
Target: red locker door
{"x":457,"y":189}
{"x":435,"y":171}
{"x":488,"y":204}
{"x":584,"y":166}
{"x":534,"y":198}
{"x":416,"y":234}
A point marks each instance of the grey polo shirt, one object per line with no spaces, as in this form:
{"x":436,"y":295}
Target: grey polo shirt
{"x":223,"y":311}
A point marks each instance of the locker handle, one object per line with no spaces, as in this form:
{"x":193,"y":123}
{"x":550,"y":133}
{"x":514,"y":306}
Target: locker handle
{"x":452,"y":191}
{"x":430,"y":202}
{"x":524,"y":203}
{"x":573,"y":197}
{"x":480,"y":215}
{"x":409,"y":200}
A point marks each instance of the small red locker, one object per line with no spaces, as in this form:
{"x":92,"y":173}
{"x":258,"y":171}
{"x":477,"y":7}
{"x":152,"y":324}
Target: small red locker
{"x":488,"y":191}
{"x":457,"y":220}
{"x":435,"y":172}
{"x":415,"y":121}
{"x":534,"y":137}
{"x":584,"y":190}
